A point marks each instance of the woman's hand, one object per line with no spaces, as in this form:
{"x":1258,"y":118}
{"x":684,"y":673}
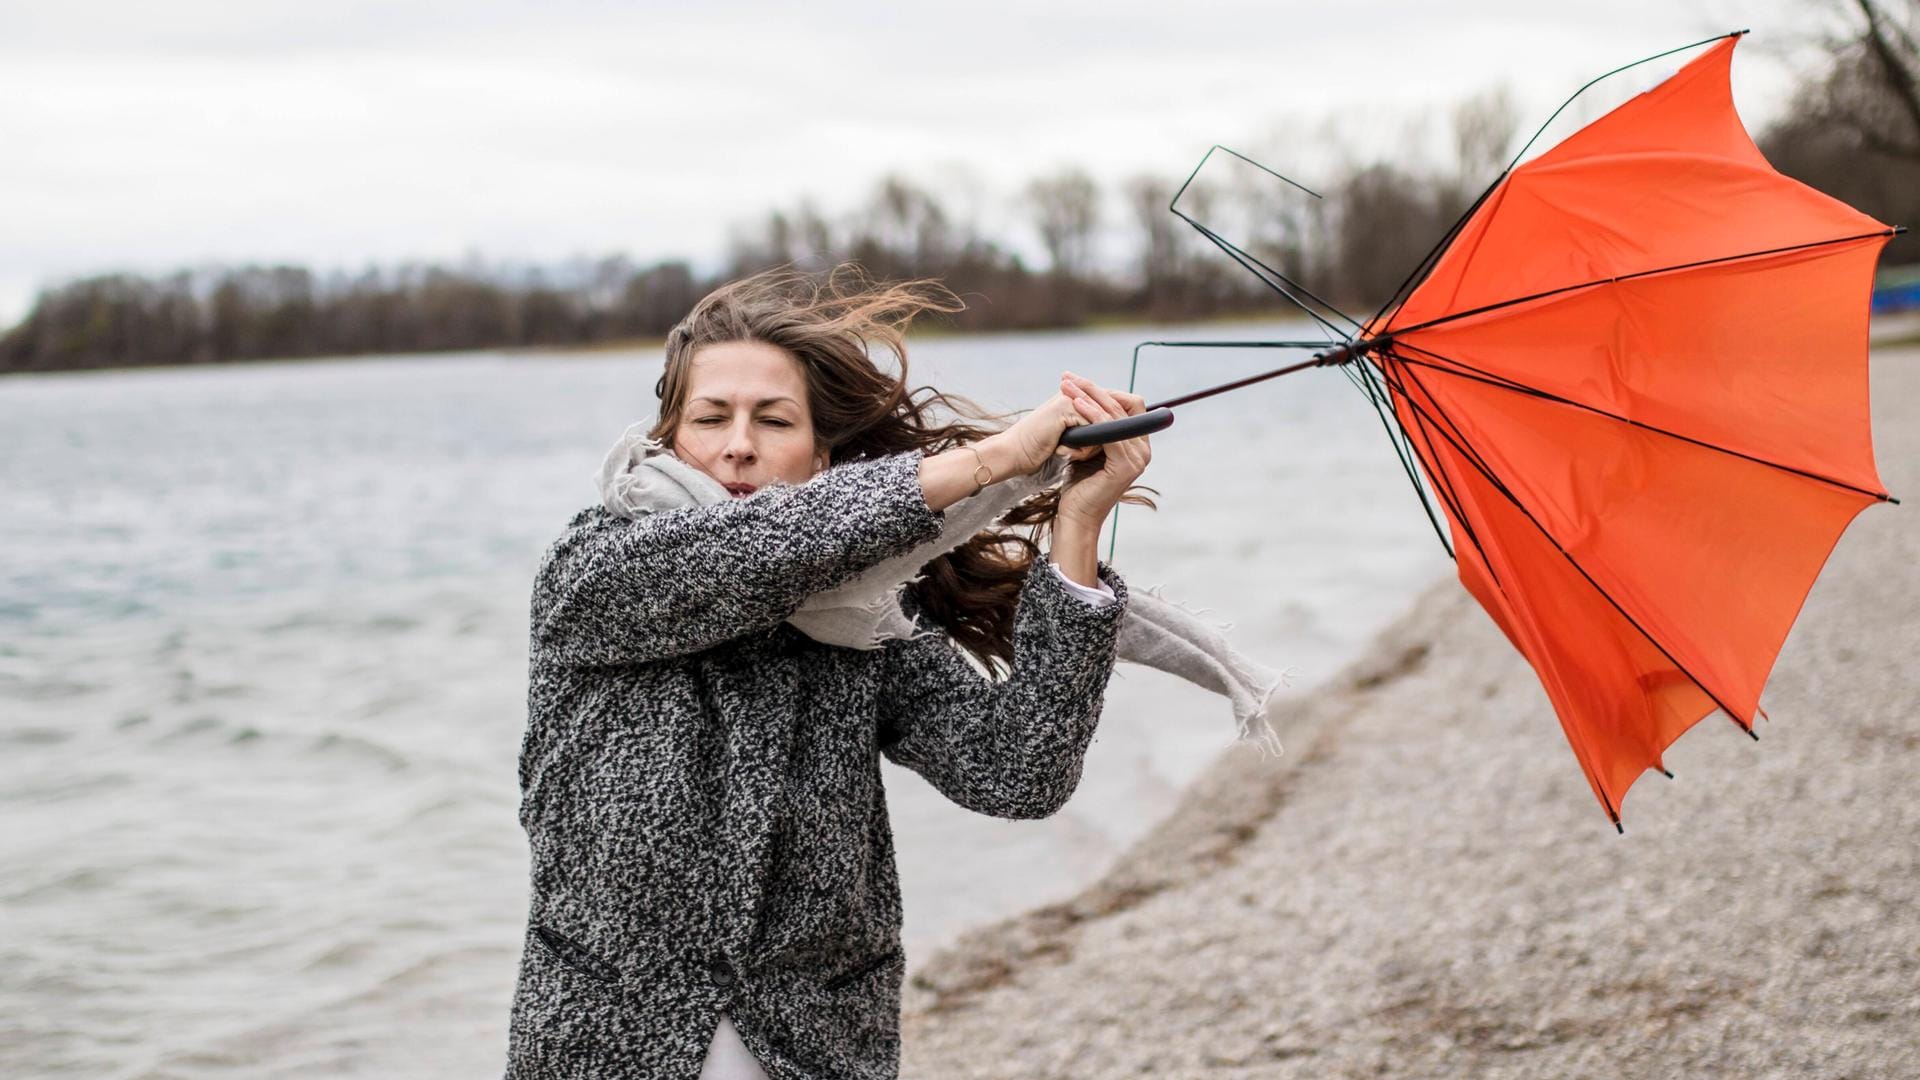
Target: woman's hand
{"x":1036,"y":436}
{"x":1099,"y":475}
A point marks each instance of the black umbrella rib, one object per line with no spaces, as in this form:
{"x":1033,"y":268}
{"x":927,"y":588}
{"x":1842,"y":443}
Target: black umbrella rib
{"x":1373,"y":398}
{"x":1236,"y":344}
{"x":1236,"y":249}
{"x":1424,"y":422}
{"x":1458,"y":438}
{"x":1473,"y":459}
{"x":1171,"y":203}
{"x":1464,"y":370}
{"x":1390,"y":422}
{"x":1443,"y":483}
{"x":1133,"y":379}
{"x":1432,"y":257}
{"x":1597,"y":78}
{"x":1481,"y":467}
{"x":1431,"y":460}
{"x":1249,"y":262}
{"x":1268,"y":276}
{"x":1255,"y":267}
{"x":1484,"y":309}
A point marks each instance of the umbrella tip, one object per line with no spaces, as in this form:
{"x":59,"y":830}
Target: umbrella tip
{"x":1619,"y":828}
{"x":1664,"y":772}
{"x":1755,"y":734}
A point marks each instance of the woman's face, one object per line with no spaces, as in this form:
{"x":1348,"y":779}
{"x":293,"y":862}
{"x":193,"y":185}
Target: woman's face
{"x":746,"y":421}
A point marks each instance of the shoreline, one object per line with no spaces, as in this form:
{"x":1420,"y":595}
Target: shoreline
{"x":1220,"y":811}
{"x":1425,"y":885}
{"x":647,"y":344}
{"x":1896,"y":329}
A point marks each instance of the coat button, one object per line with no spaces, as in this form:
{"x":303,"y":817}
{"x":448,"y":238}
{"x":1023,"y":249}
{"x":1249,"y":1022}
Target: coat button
{"x":722,"y":975}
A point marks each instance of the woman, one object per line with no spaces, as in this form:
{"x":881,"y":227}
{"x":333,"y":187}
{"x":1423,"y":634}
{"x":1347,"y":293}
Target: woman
{"x":714,"y":890}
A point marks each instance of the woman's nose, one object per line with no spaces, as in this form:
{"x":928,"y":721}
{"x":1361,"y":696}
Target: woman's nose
{"x":739,"y":448}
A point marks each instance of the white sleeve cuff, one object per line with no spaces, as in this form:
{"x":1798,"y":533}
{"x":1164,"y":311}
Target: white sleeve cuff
{"x":1098,"y":597}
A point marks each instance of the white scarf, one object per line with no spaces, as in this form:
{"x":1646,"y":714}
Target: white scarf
{"x":641,"y":475}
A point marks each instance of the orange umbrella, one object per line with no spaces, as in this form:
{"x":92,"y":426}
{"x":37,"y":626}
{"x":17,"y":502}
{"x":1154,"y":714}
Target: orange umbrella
{"x":1636,"y":381}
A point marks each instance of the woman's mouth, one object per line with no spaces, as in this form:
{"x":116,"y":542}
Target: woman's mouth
{"x":740,"y":490}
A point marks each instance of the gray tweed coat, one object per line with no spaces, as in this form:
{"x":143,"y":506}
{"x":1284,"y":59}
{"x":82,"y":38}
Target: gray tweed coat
{"x":701,"y":787}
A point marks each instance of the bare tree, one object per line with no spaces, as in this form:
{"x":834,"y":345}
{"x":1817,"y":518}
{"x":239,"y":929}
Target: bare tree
{"x":1388,"y":219}
{"x":1484,"y":127}
{"x":1854,"y":130}
{"x":904,"y":230}
{"x":813,"y":240}
{"x":657,"y":297}
{"x":760,"y":246}
{"x":1066,"y":211}
{"x":1878,"y":73}
{"x":1158,"y":241}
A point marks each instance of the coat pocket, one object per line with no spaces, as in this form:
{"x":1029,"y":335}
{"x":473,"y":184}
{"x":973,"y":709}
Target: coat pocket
{"x":863,"y":969}
{"x":575,"y":955}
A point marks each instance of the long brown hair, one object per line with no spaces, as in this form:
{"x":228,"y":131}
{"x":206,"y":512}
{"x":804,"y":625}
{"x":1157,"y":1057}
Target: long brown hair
{"x":831,"y":324}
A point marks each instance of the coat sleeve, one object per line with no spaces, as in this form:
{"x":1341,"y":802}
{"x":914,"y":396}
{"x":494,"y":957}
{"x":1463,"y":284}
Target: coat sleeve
{"x":1014,"y":748}
{"x":618,"y":591}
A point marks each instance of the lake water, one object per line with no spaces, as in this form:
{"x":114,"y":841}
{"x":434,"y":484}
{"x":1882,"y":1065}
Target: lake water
{"x":263,"y":671}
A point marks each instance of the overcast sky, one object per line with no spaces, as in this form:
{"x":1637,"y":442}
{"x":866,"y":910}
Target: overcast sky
{"x":146,"y":136}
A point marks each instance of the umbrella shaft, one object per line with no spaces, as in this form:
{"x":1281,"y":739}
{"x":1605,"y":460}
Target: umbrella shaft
{"x":1339,"y":354}
{"x":1157,"y":416}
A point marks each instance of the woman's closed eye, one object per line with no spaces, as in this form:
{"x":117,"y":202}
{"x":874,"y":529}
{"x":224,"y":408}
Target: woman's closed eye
{"x":769,"y":420}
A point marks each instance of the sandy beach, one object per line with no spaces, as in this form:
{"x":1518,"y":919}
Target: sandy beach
{"x":1425,"y":886}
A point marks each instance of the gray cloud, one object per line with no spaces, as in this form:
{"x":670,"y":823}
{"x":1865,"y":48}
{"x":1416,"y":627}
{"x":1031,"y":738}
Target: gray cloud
{"x":147,"y":136}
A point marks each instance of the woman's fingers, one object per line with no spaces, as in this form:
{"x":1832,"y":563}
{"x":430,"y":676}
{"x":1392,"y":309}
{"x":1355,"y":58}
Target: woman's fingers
{"x":1085,"y":390}
{"x":1074,"y":408}
{"x":1095,"y":403}
{"x":1117,"y":402}
{"x":1092,"y":404}
{"x":1086,"y":406}
{"x":1112,"y":400}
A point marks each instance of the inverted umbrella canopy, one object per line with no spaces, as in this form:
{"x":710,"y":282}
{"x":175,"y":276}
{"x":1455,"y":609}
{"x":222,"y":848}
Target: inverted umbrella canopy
{"x":1636,"y":381}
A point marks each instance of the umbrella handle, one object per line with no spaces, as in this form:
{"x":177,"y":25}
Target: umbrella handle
{"x":1127,"y":427}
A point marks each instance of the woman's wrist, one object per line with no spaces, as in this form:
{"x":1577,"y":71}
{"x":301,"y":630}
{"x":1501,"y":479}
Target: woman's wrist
{"x":1001,"y":457}
{"x":952,"y":475}
{"x":1075,"y":550}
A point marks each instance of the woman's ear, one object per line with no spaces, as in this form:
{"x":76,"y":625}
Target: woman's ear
{"x":820,"y":461}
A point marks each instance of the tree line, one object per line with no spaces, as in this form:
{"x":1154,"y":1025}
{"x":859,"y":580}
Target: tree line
{"x":1853,"y":131}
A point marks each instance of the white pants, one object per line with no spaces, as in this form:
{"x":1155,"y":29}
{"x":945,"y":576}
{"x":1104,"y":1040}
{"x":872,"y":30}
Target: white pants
{"x":728,"y":1058}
